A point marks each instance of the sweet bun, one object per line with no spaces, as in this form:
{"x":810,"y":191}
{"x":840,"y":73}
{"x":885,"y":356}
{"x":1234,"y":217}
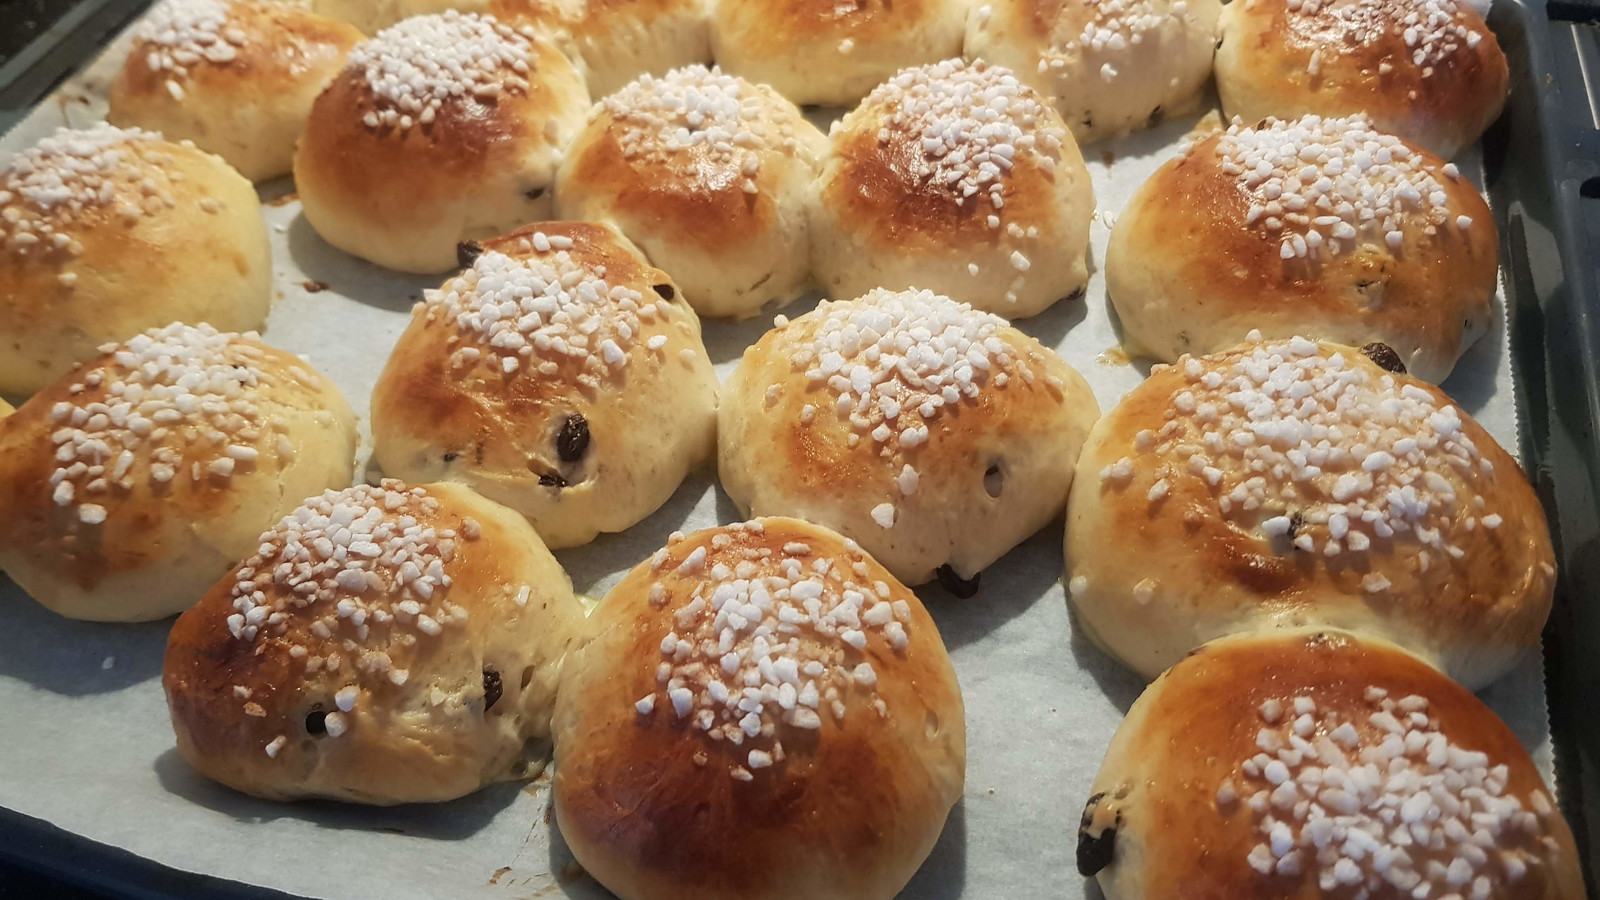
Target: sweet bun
{"x":707,"y":174}
{"x":1429,"y":71}
{"x":560,"y":375}
{"x":616,"y":41}
{"x":1291,"y":483}
{"x":372,"y":16}
{"x":762,"y":713}
{"x":820,"y":52}
{"x":441,"y":129}
{"x":1318,"y":227}
{"x":1111,"y":67}
{"x":236,"y":77}
{"x":385,"y":645}
{"x":105,"y":232}
{"x":957,"y":178}
{"x":1315,"y":764}
{"x":936,"y":435}
{"x":141,"y":477}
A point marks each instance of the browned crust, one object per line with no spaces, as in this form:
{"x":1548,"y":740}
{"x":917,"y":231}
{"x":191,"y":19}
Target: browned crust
{"x":775,"y":25}
{"x":850,"y":811}
{"x":389,"y":173}
{"x":1198,"y":722}
{"x":488,"y":410}
{"x":690,"y":195}
{"x":1185,"y":231}
{"x":35,"y":527}
{"x":1444,"y":110}
{"x":285,"y":45}
{"x":874,"y":187}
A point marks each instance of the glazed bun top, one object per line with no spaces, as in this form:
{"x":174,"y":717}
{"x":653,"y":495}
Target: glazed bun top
{"x":274,"y":43}
{"x":951,"y":150}
{"x":1311,"y":764}
{"x":411,"y":72}
{"x":76,"y":180}
{"x":1428,"y":70}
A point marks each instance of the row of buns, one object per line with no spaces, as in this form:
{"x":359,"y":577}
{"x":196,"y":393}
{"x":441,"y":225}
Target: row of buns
{"x":954,"y":177}
{"x":289,"y":677}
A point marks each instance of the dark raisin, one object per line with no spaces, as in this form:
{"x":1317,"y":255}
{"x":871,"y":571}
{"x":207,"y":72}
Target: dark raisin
{"x":1385,"y":357}
{"x":317,"y":722}
{"x":467,"y":253}
{"x":533,"y":193}
{"x":572,"y":441}
{"x":666,"y":291}
{"x":1296,"y":522}
{"x":451,"y":456}
{"x":955,"y":584}
{"x":1095,"y":850}
{"x":492,"y":689}
{"x":551,"y":479}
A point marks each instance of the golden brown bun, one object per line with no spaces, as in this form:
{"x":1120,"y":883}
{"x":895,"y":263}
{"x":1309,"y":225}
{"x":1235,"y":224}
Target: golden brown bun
{"x":1174,"y":810}
{"x":941,"y":482}
{"x":1176,"y":536}
{"x":154,"y":232}
{"x":1189,"y":273}
{"x":402,"y":195}
{"x":236,"y":77}
{"x":108,"y":524}
{"x":1286,"y":58}
{"x":372,"y":16}
{"x":1111,"y":67}
{"x":864,"y":765}
{"x":616,"y":41}
{"x":888,"y":213}
{"x":724,"y":215}
{"x":580,"y":443}
{"x":436,"y":692}
{"x":831,"y":54}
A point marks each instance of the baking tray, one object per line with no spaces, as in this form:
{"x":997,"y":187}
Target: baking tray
{"x":1540,"y":177}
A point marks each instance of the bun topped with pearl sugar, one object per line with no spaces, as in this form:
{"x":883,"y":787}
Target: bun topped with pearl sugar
{"x":237,"y":77}
{"x":1291,"y":483}
{"x":956,"y":178}
{"x":707,"y":173}
{"x":1111,"y":66}
{"x":135,"y":482}
{"x":385,"y":644}
{"x":1430,"y":71}
{"x":937,"y":436}
{"x":1317,"y":227}
{"x":619,"y":40}
{"x":105,"y":232}
{"x":560,"y":374}
{"x":1317,"y":764}
{"x":442,"y":129}
{"x":761,"y":712}
{"x":372,"y":16}
{"x":830,"y":53}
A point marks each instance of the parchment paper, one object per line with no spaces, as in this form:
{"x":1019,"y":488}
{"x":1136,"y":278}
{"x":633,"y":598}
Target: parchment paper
{"x":86,"y":742}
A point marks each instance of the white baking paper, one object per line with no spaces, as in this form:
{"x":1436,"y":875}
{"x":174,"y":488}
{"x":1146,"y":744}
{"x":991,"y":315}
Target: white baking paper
{"x":86,"y":742}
